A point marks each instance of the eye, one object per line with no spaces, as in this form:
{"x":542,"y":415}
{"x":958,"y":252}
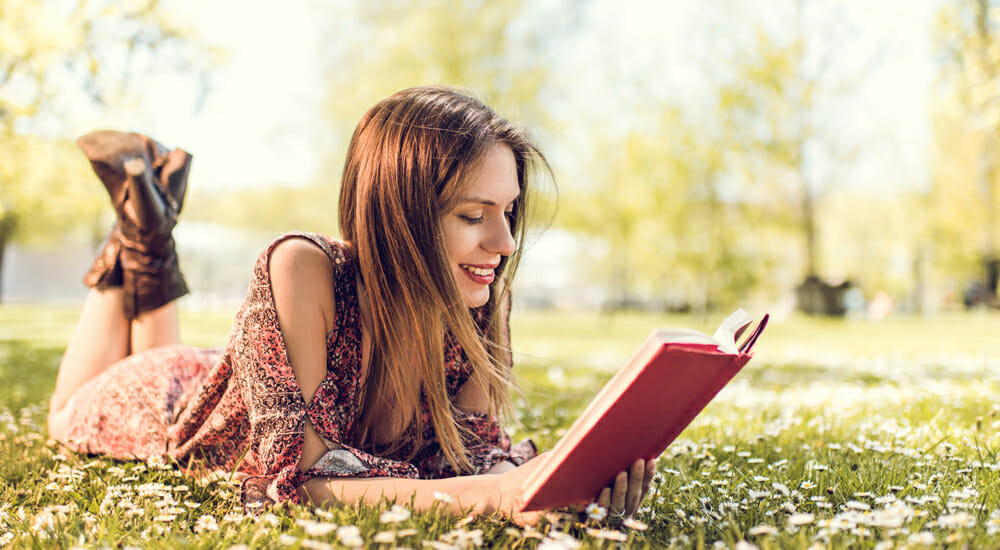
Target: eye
{"x":474,"y":220}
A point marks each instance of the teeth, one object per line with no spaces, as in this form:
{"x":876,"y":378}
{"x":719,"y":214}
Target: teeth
{"x":478,"y":271}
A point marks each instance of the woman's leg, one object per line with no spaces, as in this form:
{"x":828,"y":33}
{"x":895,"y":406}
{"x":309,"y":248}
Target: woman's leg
{"x":135,"y":278}
{"x":101,"y":337}
{"x":155,"y":328}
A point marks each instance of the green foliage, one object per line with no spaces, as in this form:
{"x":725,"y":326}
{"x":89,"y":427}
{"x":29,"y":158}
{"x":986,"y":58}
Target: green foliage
{"x":963,"y":227}
{"x":832,"y":446}
{"x":493,"y":49}
{"x":44,"y":195}
{"x":660,"y":203}
{"x":269,"y":210}
{"x":54,"y":53}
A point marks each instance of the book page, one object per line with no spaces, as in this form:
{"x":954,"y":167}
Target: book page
{"x":725,"y":336}
{"x":730,"y":329}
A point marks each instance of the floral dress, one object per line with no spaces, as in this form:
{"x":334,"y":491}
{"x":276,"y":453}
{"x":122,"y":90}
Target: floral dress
{"x":240,"y":409}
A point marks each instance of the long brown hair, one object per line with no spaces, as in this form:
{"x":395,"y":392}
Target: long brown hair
{"x":407,"y":162}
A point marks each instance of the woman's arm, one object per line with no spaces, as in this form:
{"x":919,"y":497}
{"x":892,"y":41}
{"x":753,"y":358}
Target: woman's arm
{"x":475,"y":494}
{"x":301,"y":282}
{"x":301,"y":277}
{"x":303,"y":296}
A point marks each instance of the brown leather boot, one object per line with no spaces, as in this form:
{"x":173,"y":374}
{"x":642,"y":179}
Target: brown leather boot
{"x":146,"y":183}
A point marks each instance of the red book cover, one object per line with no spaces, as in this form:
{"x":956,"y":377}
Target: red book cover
{"x":641,"y":410}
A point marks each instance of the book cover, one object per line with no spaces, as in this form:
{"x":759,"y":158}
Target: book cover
{"x":641,"y":410}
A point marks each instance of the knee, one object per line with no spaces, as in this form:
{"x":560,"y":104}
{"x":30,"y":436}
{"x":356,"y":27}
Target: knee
{"x":58,"y":422}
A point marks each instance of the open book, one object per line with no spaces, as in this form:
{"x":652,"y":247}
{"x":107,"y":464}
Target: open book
{"x":641,"y":410}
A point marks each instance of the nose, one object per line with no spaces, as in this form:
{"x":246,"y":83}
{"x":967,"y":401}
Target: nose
{"x":500,"y":241}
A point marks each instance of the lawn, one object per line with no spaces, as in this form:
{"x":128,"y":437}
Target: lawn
{"x":838,"y":434}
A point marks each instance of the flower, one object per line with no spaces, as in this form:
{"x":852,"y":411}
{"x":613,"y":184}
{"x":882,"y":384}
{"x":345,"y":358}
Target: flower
{"x":763,"y":530}
{"x":635,"y":524}
{"x":206,"y":523}
{"x":956,"y":520}
{"x":395,"y":514}
{"x":463,"y":539}
{"x":557,"y":540}
{"x":270,"y":519}
{"x":443,"y":497}
{"x":608,"y":534}
{"x":925,"y":538}
{"x":316,"y":528}
{"x":801,"y":519}
{"x":350,"y":536}
{"x":596,"y":512}
{"x":857,"y":505}
{"x":316,"y":545}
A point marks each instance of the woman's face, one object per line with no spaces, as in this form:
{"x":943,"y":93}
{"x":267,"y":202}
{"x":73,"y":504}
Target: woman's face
{"x":477,"y":230}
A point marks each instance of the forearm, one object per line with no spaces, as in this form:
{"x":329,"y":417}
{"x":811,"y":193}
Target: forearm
{"x":479,"y":494}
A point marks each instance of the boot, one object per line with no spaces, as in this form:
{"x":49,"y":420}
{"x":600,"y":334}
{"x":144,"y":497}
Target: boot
{"x":146,"y":183}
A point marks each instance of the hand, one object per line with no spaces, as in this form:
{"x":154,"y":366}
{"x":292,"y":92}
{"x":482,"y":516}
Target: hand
{"x":510,"y":494}
{"x":625,"y":495}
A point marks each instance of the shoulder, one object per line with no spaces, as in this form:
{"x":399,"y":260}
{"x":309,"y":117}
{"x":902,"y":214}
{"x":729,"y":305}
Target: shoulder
{"x":337,"y":252}
{"x":298,"y":258}
{"x":302,"y":275}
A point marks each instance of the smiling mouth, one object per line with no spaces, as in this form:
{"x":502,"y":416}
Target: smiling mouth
{"x":481,"y":275}
{"x":478,"y":271}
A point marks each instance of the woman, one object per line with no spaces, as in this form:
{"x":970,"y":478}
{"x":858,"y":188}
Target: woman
{"x":356,"y":370}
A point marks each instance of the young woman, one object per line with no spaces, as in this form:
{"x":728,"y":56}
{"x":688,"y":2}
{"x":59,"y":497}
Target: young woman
{"x":368,"y":368}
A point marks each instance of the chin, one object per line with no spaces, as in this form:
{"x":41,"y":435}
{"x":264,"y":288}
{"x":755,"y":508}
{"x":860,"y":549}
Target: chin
{"x":476,"y":299}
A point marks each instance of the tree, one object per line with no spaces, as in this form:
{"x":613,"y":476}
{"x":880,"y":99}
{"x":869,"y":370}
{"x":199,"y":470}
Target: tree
{"x":656,"y":212}
{"x":56,"y":55}
{"x":780,"y":98}
{"x":965,"y":193}
{"x":498,"y":50}
{"x":773,"y":104}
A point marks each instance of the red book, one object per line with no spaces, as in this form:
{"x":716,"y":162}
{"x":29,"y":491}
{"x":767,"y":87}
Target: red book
{"x":641,"y":410}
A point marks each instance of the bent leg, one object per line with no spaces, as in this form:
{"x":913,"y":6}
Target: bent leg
{"x":101,"y":338}
{"x":135,"y":278}
{"x":155,"y":328}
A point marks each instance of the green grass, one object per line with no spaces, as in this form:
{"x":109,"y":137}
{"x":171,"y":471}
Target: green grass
{"x":838,"y":434}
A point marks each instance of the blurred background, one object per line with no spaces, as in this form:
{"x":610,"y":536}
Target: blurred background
{"x":839,"y":158}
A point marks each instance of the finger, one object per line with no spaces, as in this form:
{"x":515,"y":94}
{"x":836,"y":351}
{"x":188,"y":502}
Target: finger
{"x":604,"y":500}
{"x":647,"y":481}
{"x":619,"y":493}
{"x":633,"y":497}
{"x":524,"y":519}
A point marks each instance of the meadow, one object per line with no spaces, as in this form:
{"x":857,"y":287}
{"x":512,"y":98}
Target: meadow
{"x":838,"y":434}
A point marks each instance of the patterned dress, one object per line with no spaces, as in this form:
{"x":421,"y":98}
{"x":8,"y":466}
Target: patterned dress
{"x":241,"y":409}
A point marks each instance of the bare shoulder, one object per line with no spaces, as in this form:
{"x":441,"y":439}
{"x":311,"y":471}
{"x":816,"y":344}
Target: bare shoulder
{"x":301,"y":278}
{"x":299,"y":253}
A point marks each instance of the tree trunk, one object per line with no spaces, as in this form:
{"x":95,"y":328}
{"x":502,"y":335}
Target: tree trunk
{"x":809,"y":229}
{"x":987,"y":160}
{"x":7,"y":224}
{"x":808,"y":199}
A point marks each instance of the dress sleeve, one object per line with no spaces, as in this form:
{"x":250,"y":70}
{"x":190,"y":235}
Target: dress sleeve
{"x":278,"y":412}
{"x":486,"y":445}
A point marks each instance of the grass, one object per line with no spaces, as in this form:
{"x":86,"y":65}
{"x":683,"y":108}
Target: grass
{"x":838,"y":434}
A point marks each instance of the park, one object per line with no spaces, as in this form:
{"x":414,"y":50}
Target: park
{"x":833,"y":165}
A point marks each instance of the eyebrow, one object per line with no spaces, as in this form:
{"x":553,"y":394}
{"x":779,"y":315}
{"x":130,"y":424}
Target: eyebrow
{"x":484,"y":201}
